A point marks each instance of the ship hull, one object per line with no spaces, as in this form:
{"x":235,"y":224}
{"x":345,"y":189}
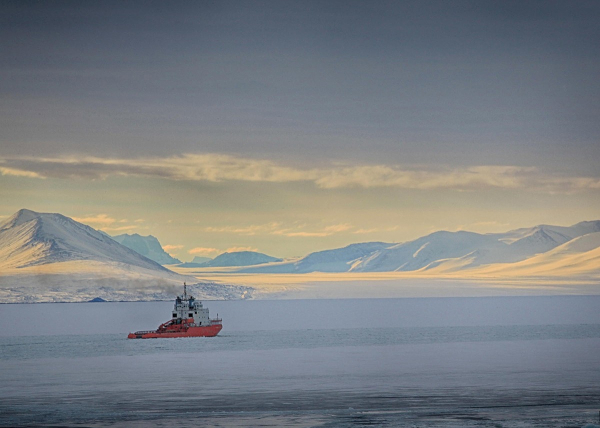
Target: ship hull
{"x":205,"y":331}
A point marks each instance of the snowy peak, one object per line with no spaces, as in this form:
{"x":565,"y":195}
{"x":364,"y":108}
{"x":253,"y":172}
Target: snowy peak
{"x":147,"y":246}
{"x":452,"y":251}
{"x":422,"y":252}
{"x":540,"y":239}
{"x":29,"y":238}
{"x":579,"y":257}
{"x":558,"y":233}
{"x":18,"y":218}
{"x":50,"y":257}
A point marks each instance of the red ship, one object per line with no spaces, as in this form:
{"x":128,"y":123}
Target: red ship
{"x":190,"y":319}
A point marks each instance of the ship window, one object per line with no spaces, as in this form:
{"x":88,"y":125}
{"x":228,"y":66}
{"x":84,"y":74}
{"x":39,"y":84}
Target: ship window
{"x":200,"y":323}
{"x":191,"y":315}
{"x":174,"y":315}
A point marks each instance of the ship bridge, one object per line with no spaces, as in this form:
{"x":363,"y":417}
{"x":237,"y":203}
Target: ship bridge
{"x":190,"y":310}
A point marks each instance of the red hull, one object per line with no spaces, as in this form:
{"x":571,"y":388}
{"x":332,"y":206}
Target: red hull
{"x":204,"y":331}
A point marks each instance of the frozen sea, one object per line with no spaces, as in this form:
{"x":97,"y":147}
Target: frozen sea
{"x":420,"y":362}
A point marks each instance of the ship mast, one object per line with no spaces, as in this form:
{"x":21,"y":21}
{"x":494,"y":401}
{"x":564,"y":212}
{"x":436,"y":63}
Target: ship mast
{"x":184,"y":291}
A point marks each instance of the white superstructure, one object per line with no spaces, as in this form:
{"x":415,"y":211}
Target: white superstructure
{"x":187,"y":307}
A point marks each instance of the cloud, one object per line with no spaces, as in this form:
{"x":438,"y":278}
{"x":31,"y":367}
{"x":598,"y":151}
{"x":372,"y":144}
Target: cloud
{"x":193,"y":167}
{"x":236,"y":249}
{"x":297,"y":232}
{"x":365,"y":231}
{"x":19,"y":173}
{"x":277,"y":228}
{"x":203,"y":251}
{"x":221,"y":167}
{"x":302,"y":234}
{"x":99,"y":220}
{"x":244,"y":230}
{"x":105,"y":223}
{"x":509,"y":177}
{"x":172,"y":249}
{"x":168,"y":247}
{"x":338,"y":228}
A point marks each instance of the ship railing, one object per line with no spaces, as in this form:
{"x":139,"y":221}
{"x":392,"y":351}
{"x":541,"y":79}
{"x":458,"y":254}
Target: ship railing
{"x":216,"y":321}
{"x":145,"y":332}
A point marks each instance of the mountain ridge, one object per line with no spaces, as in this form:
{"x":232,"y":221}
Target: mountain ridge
{"x":456,"y":251}
{"x":50,"y":257}
{"x":42,"y":242}
{"x":239,"y":258}
{"x":55,"y":238}
{"x":148,"y":246}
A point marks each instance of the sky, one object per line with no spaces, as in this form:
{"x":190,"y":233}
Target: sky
{"x":290,"y":127}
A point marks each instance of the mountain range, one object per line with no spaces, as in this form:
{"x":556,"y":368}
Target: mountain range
{"x":444,"y":252}
{"x":239,"y":258}
{"x":197,"y":261}
{"x":441,"y":252}
{"x":230,"y":259}
{"x":50,"y":257}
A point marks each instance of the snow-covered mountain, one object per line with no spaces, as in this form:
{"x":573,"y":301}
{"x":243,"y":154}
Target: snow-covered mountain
{"x":198,"y":259}
{"x":336,"y":260}
{"x":50,"y":257}
{"x":420,"y":253}
{"x":461,"y":250}
{"x":440,"y":251}
{"x":196,"y":262}
{"x":578,"y":257}
{"x":239,"y":258}
{"x":29,"y":239}
{"x":147,"y":246}
{"x":557,"y":233}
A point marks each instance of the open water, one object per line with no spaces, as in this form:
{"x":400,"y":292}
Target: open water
{"x":463,"y":362}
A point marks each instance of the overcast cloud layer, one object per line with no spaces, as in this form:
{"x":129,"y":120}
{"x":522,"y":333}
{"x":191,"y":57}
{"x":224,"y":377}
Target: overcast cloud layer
{"x":291,"y":126}
{"x":462,"y":82}
{"x":216,"y":168}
